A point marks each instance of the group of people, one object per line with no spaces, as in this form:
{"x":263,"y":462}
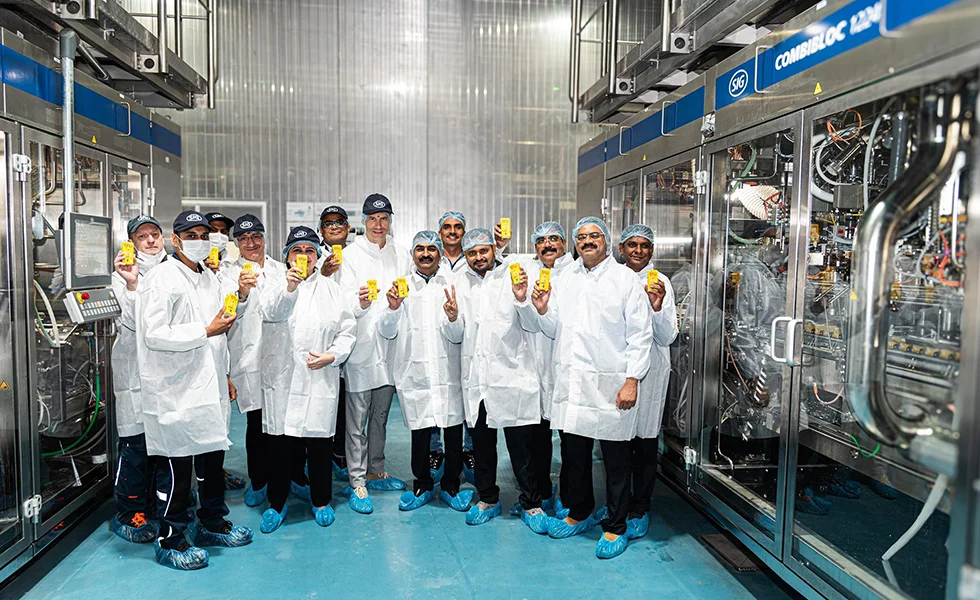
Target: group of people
{"x":314,"y":347}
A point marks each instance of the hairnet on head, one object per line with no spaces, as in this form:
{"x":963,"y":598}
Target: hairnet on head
{"x":637,"y":230}
{"x":597,"y":222}
{"x":452,"y":214}
{"x":546,"y":229}
{"x":425,"y":238}
{"x":477,"y":237}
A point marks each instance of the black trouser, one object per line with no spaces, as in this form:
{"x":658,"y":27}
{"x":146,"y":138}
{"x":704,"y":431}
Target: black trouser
{"x":173,"y":494}
{"x":454,"y":460}
{"x":524,"y":447}
{"x":256,"y":450}
{"x":485,"y":456}
{"x":579,"y":496}
{"x":644,"y":468}
{"x":339,"y":450}
{"x":133,"y":490}
{"x":284,"y":452}
{"x":541,"y":455}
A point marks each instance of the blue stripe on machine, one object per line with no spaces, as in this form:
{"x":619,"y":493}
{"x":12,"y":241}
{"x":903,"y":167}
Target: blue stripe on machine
{"x":593,"y":158}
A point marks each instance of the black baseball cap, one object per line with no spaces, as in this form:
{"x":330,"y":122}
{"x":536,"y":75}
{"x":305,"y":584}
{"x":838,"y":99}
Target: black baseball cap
{"x":376,"y":203}
{"x":301,"y":234}
{"x":334,"y":210}
{"x":141,"y":220}
{"x":190,"y":219}
{"x":247,"y":223}
{"x":216,"y":216}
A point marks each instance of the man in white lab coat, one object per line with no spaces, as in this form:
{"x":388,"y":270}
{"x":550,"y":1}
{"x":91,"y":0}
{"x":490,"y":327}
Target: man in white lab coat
{"x":425,"y":367}
{"x":636,"y":247}
{"x":600,"y":321}
{"x":372,"y":257}
{"x":500,"y":381}
{"x":183,"y":358}
{"x":134,"y":474}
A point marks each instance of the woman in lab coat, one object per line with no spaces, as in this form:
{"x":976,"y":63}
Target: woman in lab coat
{"x":308,"y":333}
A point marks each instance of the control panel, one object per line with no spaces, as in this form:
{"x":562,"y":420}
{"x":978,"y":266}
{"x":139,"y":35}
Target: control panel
{"x":92,"y":305}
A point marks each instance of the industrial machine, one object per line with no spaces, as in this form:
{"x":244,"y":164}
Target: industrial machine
{"x":810,"y":196}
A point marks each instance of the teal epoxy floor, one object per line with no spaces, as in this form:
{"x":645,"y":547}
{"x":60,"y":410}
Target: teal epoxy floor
{"x":427,"y":553}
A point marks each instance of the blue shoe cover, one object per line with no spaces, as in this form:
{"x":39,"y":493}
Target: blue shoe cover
{"x":340,"y":473}
{"x":361,"y":505}
{"x":438,"y":473}
{"x":809,"y":507}
{"x":468,"y":475}
{"x":824,"y":503}
{"x":883,"y":489}
{"x":516,"y":510}
{"x":409,"y":501}
{"x":388,"y":484}
{"x":601,"y":514}
{"x":548,"y":505}
{"x":237,"y":536}
{"x":637,"y":528}
{"x":475,"y":516}
{"x":537,"y":523}
{"x":300,"y":491}
{"x":560,"y":511}
{"x":272,"y":520}
{"x":234,"y":482}
{"x":324,"y":516}
{"x":137,"y":535}
{"x":188,"y":560}
{"x":460,"y":502}
{"x":560,"y":529}
{"x":255,"y":497}
{"x":610,"y":548}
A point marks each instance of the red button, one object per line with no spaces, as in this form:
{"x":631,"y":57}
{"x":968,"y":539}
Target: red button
{"x":85,"y":296}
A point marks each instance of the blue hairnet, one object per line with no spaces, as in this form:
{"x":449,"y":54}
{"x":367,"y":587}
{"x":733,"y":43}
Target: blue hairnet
{"x":637,"y":231}
{"x":547,"y":228}
{"x":594,"y":221}
{"x":425,"y":238}
{"x":453,"y":214}
{"x":477,"y":237}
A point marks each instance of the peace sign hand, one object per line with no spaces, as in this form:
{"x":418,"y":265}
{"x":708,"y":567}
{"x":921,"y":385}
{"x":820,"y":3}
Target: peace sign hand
{"x":451,"y":308}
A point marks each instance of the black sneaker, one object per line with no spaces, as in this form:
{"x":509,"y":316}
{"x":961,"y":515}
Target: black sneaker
{"x":435,"y":459}
{"x":468,"y":461}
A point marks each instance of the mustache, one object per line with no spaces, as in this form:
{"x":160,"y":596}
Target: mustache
{"x":426,"y":259}
{"x":589,"y":246}
{"x":549,"y":249}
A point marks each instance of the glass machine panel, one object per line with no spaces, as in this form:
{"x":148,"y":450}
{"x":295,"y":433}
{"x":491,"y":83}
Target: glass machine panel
{"x":747,"y":275}
{"x":125,"y":199}
{"x":625,"y":206}
{"x":71,"y":369}
{"x":670,"y":206}
{"x":855,"y":498}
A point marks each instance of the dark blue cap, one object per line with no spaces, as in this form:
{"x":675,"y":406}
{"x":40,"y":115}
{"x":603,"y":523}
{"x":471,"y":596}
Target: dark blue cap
{"x":216,"y":216}
{"x":301,"y":234}
{"x":190,"y":219}
{"x":334,"y":210}
{"x":376,"y":203}
{"x":141,"y":220}
{"x":247,"y":223}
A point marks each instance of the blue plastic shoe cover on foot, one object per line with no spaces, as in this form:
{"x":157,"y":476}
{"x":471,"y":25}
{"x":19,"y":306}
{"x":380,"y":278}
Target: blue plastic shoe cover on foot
{"x":611,"y":548}
{"x":560,"y":529}
{"x":475,"y":516}
{"x":361,"y":505}
{"x":189,"y":560}
{"x":137,"y":535}
{"x":231,"y":536}
{"x":234,"y":482}
{"x":538,"y":523}
{"x":388,"y":484}
{"x":460,"y":502}
{"x":409,"y":501}
{"x":637,"y":528}
{"x":325,"y":516}
{"x":255,"y":497}
{"x":272,"y":520}
{"x":516,"y":510}
{"x":300,"y":491}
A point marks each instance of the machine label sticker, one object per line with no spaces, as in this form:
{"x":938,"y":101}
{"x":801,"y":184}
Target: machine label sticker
{"x":3,"y":385}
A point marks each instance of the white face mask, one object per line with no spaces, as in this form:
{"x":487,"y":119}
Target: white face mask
{"x":219,"y":241}
{"x":148,"y":261}
{"x":195,"y":250}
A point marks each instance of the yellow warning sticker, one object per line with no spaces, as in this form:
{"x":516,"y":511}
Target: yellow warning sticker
{"x":3,"y":385}
{"x":854,"y":296}
{"x":818,"y":89}
{"x":644,"y":157}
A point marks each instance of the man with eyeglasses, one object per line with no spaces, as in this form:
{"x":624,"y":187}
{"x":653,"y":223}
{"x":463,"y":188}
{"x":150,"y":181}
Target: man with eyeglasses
{"x":600,"y":321}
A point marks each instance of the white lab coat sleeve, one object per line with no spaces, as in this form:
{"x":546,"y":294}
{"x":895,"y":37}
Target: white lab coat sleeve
{"x":452,"y":331}
{"x":155,"y":313}
{"x":276,"y":302}
{"x":665,"y":321}
{"x":548,"y":322}
{"x":639,"y":334}
{"x":343,"y":343}
{"x":388,"y":324}
{"x":528,"y":315}
{"x":127,"y":302}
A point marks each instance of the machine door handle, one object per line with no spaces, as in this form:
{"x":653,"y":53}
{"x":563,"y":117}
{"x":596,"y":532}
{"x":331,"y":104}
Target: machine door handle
{"x":790,"y":343}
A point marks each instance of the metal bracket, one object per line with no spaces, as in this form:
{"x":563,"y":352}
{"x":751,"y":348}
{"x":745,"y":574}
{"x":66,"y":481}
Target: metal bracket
{"x":148,"y":63}
{"x":690,"y":456}
{"x":708,"y":125}
{"x":22,"y":166}
{"x":700,"y":182}
{"x":32,"y":508}
{"x":151,"y":197}
{"x":129,"y":120}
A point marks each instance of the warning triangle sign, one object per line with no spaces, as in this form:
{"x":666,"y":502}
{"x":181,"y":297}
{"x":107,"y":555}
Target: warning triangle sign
{"x":818,"y":89}
{"x":3,"y":385}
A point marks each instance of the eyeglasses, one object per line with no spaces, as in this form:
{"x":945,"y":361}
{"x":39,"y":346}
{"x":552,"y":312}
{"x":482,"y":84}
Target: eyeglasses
{"x":595,"y":235}
{"x":333,"y":224}
{"x":249,"y":238}
{"x":554,"y":239}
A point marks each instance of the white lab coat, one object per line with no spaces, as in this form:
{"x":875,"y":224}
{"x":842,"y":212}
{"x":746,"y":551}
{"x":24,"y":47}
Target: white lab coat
{"x":544,"y":346}
{"x":497,"y":357}
{"x":600,"y":321}
{"x":245,"y":336}
{"x":652,"y":392}
{"x":367,"y":368}
{"x":298,"y":401}
{"x":182,"y":370}
{"x":425,"y":365}
{"x":446,"y":264}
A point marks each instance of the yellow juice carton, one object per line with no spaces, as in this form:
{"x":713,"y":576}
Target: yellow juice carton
{"x":214,"y":256}
{"x":231,"y":304}
{"x":515,"y":272}
{"x":249,"y":268}
{"x":338,"y":252}
{"x":402,"y":287}
{"x":129,"y":253}
{"x":505,"y":228}
{"x":544,"y":279}
{"x":302,"y":264}
{"x":653,"y":276}
{"x":372,"y":286}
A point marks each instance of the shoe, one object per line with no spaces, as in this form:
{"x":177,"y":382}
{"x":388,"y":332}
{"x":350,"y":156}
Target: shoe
{"x":226,"y":535}
{"x":387,"y":483}
{"x":409,"y":501}
{"x":300,"y":491}
{"x":883,"y":489}
{"x":482,"y":513}
{"x":806,"y":502}
{"x":516,"y":510}
{"x":255,"y":497}
{"x":536,"y":520}
{"x":325,"y":516}
{"x":339,"y":466}
{"x":560,"y":511}
{"x":183,"y":558}
{"x":637,"y":528}
{"x":460,"y":502}
{"x":272,"y":520}
{"x":561,"y":529}
{"x":234,"y":482}
{"x":851,"y":492}
{"x":360,"y":501}
{"x":611,"y":548}
{"x":137,"y":529}
{"x":548,"y":505}
{"x":469,"y":463}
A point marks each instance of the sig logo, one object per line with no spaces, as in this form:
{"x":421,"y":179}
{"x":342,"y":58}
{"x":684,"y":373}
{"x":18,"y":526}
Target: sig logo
{"x":300,"y":233}
{"x":194,"y":217}
{"x":738,"y":83}
{"x":246,"y":224}
{"x":379,"y":204}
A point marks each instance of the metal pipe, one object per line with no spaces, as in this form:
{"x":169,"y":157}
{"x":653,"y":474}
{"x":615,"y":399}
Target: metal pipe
{"x":873,"y":273}
{"x":100,"y":73}
{"x":613,"y":43}
{"x":665,"y":26}
{"x":900,"y":143}
{"x":604,"y":58}
{"x":576,"y":57}
{"x":68,"y":44}
{"x":91,"y":9}
{"x":162,"y":35}
{"x":212,"y":50}
{"x":574,"y":39}
{"x":179,"y":27}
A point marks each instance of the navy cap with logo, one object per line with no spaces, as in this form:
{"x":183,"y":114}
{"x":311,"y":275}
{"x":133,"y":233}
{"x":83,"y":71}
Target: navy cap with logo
{"x":216,"y":216}
{"x":247,"y":223}
{"x":376,"y":203}
{"x":141,"y":220}
{"x":334,"y":210}
{"x":299,"y":235}
{"x":190,"y":219}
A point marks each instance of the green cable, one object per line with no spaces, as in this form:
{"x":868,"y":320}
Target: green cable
{"x":863,"y":453}
{"x":95,"y":416}
{"x":750,"y":164}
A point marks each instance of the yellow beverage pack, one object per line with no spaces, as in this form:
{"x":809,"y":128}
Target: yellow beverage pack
{"x":302,"y":264}
{"x":372,"y":286}
{"x":402,"y":287}
{"x":129,"y":253}
{"x":515,"y":272}
{"x":653,"y":276}
{"x":544,"y":279}
{"x":231,"y":304}
{"x":249,"y":268}
{"x":338,"y":252}
{"x":505,"y":231}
